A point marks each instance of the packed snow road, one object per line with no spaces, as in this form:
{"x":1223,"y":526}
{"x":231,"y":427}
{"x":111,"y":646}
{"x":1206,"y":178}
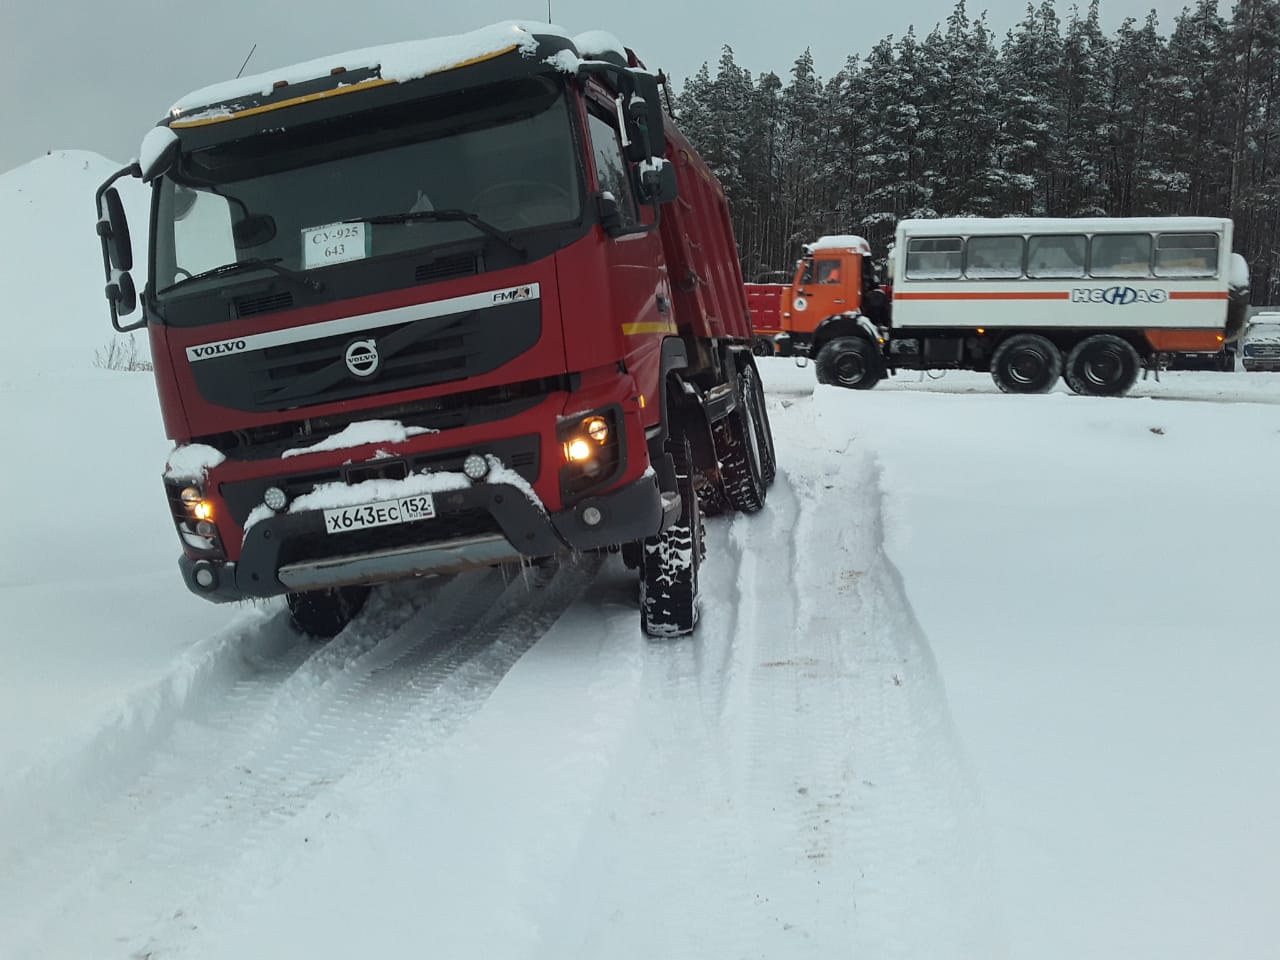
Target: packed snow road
{"x":492,"y":765}
{"x":510,"y":769}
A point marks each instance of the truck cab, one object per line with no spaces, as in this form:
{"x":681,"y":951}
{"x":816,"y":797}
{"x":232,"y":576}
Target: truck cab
{"x":431,"y":306}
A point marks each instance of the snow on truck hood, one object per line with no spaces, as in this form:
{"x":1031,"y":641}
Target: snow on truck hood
{"x":850,"y":242}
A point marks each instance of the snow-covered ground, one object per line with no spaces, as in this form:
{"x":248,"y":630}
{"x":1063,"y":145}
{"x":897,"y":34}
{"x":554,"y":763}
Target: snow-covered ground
{"x":989,"y":677}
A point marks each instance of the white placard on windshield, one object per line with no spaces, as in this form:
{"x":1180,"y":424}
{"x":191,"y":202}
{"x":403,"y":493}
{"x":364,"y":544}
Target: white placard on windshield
{"x":334,"y":243}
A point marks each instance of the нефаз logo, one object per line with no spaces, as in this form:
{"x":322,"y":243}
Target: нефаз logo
{"x":362,"y":357}
{"x":1118,"y":296}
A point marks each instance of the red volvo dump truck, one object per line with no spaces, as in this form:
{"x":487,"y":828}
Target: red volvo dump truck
{"x":441,"y":304}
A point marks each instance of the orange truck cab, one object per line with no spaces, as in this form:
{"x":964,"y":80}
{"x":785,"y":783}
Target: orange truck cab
{"x":834,"y":283}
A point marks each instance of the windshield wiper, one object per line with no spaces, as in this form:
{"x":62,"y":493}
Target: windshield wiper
{"x":254,"y":263}
{"x":446,"y":216}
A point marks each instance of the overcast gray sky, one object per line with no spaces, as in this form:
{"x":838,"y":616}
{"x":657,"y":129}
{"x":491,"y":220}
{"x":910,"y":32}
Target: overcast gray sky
{"x":96,"y":74}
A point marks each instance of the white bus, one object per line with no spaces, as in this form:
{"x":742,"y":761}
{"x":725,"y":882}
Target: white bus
{"x":1032,"y":299}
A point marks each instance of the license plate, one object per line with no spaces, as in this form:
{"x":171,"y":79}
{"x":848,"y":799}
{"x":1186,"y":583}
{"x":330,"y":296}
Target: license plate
{"x":384,"y":513}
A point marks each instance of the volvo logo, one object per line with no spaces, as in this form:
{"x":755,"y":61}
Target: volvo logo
{"x":362,"y":357}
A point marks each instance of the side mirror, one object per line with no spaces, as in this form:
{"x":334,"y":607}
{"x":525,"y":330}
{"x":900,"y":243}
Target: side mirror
{"x":115,"y":231}
{"x":123,"y":294}
{"x":610,"y":213}
{"x":658,"y":182}
{"x":645,"y":108}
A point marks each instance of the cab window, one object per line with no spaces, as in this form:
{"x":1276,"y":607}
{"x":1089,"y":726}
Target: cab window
{"x":611,"y":167}
{"x":829,"y":271}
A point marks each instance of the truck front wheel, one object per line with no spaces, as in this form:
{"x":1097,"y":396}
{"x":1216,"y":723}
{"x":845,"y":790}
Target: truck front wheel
{"x":739,"y":448}
{"x":323,"y":613}
{"x":670,"y":561}
{"x":1026,"y":363}
{"x":1103,"y":365}
{"x":848,"y":362}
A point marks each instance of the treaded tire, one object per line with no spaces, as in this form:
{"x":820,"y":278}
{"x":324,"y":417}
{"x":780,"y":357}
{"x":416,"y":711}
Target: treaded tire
{"x":764,"y":433}
{"x":323,"y":613}
{"x":849,"y":362}
{"x":670,"y":561}
{"x":738,"y":447}
{"x":1102,"y":365}
{"x":1026,"y":363}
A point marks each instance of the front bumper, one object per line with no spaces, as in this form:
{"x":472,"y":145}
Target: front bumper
{"x":477,"y":526}
{"x":1261,"y":363}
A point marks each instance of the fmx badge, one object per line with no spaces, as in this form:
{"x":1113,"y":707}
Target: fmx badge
{"x":1118,"y":296}
{"x":362,"y":357}
{"x":515,"y":294}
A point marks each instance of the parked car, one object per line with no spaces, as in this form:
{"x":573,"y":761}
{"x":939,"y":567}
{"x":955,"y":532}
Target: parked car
{"x":1260,"y":347}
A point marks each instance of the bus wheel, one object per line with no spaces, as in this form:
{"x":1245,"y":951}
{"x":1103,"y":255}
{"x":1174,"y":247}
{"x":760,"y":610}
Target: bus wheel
{"x":323,"y":613}
{"x":848,"y":362}
{"x":1026,"y":363}
{"x":1103,"y":365}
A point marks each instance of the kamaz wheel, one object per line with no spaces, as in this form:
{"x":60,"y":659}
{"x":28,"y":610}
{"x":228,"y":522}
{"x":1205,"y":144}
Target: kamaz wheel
{"x":323,"y":613}
{"x":764,"y":430}
{"x":849,"y":362}
{"x":670,"y":561}
{"x":763,"y":347}
{"x":1103,"y":365}
{"x":739,"y":449}
{"x":1026,"y":363}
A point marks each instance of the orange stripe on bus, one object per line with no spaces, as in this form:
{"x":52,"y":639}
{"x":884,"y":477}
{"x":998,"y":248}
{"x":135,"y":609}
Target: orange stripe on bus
{"x":961,"y":295}
{"x":1198,"y":295}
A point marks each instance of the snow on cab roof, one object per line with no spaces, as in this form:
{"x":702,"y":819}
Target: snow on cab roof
{"x":399,"y":62}
{"x":841,"y":242}
{"x":1006,"y":225}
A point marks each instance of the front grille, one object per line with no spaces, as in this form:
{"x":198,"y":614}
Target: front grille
{"x":521,"y":454}
{"x":447,"y":268}
{"x":451,"y":412}
{"x":416,"y":353}
{"x":1262,"y":350}
{"x":267,"y":303}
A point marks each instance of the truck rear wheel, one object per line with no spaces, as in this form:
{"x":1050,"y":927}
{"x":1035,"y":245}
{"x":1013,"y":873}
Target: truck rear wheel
{"x":670,"y":561}
{"x":764,"y":432}
{"x":1103,"y":365}
{"x":739,"y":449}
{"x":848,"y":362}
{"x":1026,"y":363}
{"x":323,"y":613}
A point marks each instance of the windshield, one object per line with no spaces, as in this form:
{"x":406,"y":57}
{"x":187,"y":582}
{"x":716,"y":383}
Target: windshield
{"x":302,"y":198}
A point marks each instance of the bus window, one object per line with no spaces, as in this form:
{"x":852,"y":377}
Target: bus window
{"x":1121,"y":255}
{"x":1056,"y":256}
{"x":933,"y":258}
{"x":1187,"y":255}
{"x":993,"y":258}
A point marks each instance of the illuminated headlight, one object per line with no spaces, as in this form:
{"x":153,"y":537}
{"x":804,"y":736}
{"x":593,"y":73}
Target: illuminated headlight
{"x":475,"y":466}
{"x":578,"y":450}
{"x":597,"y":429}
{"x":275,"y":498}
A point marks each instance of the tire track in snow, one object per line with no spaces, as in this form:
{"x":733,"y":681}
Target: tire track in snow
{"x":226,"y":782}
{"x":791,"y":785}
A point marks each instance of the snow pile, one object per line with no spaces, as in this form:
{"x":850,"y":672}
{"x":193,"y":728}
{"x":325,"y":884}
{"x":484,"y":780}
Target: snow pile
{"x":51,"y":261}
{"x":360,"y":433}
{"x":192,"y":461}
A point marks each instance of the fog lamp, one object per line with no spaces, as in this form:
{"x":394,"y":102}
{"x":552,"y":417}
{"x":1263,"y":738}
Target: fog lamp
{"x":202,"y":510}
{"x":275,"y":498}
{"x":592,"y":516}
{"x":191,"y":496}
{"x":475,"y":466}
